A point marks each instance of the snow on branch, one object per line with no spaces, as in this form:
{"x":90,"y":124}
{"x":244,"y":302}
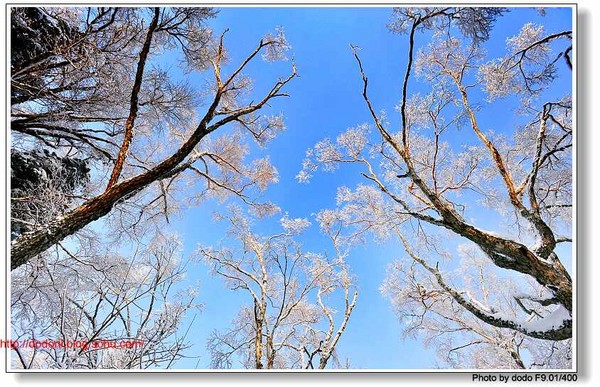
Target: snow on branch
{"x":556,"y":326}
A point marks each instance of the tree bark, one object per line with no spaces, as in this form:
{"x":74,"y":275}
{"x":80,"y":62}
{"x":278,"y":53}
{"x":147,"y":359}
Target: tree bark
{"x":31,"y":244}
{"x":133,"y":105}
{"x":543,"y":265}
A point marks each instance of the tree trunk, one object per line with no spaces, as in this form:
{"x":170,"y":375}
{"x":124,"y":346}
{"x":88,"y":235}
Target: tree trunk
{"x":31,"y":244}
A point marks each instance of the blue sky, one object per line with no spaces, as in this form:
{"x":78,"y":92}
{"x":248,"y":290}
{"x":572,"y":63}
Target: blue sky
{"x":325,"y":101}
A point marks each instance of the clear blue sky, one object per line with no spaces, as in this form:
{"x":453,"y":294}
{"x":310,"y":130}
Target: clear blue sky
{"x":325,"y":101}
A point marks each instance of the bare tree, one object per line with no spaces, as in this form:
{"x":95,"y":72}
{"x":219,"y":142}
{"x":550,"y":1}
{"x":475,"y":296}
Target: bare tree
{"x":107,"y":310}
{"x":71,"y":72}
{"x":461,"y":339}
{"x":425,"y":187}
{"x":290,"y":322}
{"x":98,"y":86}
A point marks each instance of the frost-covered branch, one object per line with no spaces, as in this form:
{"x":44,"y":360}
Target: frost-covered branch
{"x":44,"y":236}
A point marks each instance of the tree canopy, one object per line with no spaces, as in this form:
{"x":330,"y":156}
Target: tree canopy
{"x":146,"y":154}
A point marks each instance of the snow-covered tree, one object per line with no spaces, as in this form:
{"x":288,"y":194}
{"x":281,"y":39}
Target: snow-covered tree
{"x":96,"y":87}
{"x":115,"y":115}
{"x":446,"y":179}
{"x":290,"y":320}
{"x":462,"y":340}
{"x":116,"y":311}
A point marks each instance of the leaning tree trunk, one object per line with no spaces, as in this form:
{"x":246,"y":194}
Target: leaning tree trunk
{"x":31,"y":244}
